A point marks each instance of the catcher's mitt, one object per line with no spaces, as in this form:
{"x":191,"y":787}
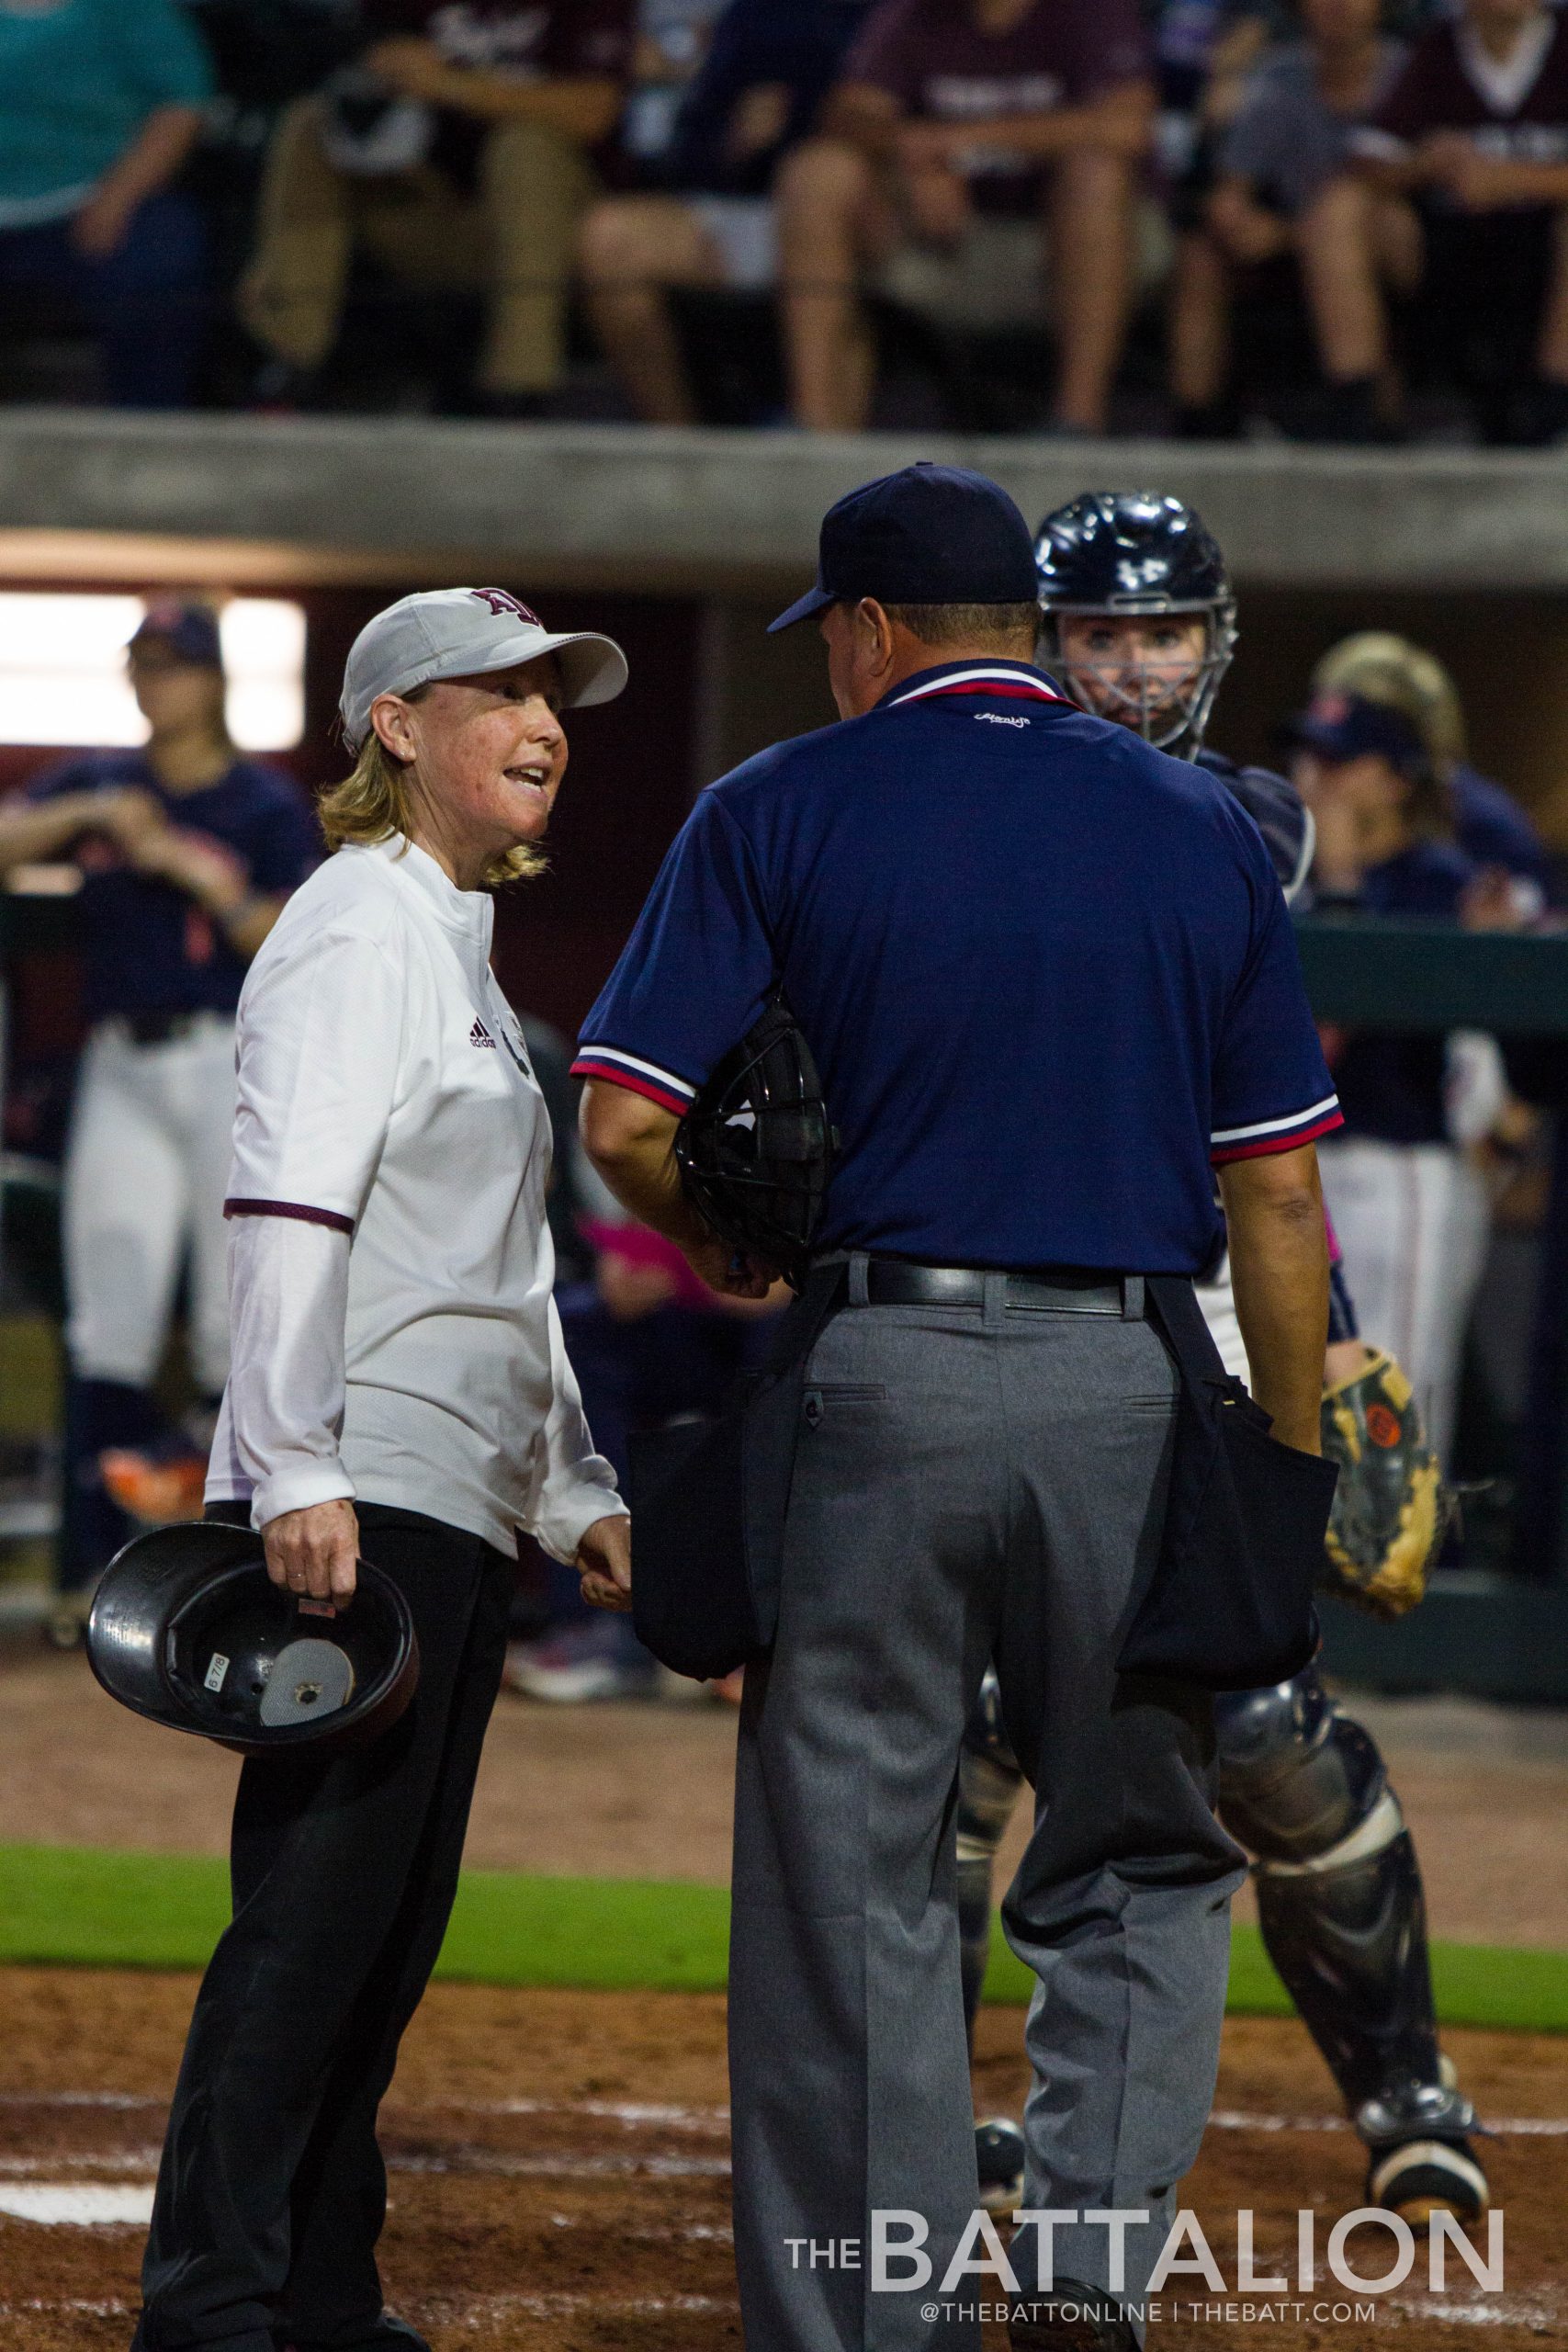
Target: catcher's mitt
{"x":1390,"y":1509}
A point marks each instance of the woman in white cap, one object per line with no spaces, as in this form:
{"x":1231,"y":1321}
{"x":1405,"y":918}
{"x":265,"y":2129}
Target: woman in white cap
{"x":398,"y":1382}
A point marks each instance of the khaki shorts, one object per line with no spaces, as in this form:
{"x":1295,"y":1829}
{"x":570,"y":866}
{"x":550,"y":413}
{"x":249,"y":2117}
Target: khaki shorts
{"x":1000,"y":275}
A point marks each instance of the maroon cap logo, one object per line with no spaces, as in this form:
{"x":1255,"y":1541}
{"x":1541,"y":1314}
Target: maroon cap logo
{"x":500,"y":601}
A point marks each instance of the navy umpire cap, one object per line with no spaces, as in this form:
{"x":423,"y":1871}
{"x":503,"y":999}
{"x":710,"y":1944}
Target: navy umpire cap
{"x":931,"y":535}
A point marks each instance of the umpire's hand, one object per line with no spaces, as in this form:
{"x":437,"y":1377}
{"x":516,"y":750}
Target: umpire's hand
{"x":315,"y":1551}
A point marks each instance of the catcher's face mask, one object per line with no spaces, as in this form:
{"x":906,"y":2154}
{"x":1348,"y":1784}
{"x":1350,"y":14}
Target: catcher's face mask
{"x":1157,"y":672}
{"x":756,"y":1147}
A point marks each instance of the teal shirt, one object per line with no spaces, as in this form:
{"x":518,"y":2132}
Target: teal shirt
{"x":77,"y":82}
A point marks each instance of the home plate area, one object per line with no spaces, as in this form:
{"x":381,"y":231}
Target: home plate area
{"x":559,"y":2174}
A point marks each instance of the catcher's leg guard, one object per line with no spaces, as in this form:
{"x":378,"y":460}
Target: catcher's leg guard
{"x":989,"y":1782}
{"x":1344,"y":1921}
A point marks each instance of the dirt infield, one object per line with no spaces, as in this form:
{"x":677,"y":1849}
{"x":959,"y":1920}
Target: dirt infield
{"x":559,"y":2173}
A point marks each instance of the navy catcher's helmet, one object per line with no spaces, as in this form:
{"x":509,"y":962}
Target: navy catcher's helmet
{"x":188,"y":1629}
{"x":756,"y":1147}
{"x":1136,"y":553}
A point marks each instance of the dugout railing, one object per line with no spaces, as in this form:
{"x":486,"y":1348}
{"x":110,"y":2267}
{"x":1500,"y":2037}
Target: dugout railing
{"x":1481,"y":1631}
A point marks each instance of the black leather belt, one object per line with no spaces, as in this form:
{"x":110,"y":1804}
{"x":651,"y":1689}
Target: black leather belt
{"x":1061,"y":1290}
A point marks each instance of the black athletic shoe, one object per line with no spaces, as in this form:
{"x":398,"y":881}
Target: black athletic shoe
{"x":1348,"y":416}
{"x":1070,"y":2318}
{"x":999,"y":2160}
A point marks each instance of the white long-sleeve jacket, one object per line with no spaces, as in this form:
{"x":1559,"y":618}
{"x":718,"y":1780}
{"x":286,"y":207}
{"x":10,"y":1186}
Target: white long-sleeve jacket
{"x":391,"y":1268}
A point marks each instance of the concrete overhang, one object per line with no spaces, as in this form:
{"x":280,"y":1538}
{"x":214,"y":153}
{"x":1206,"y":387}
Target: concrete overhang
{"x":243,"y":500}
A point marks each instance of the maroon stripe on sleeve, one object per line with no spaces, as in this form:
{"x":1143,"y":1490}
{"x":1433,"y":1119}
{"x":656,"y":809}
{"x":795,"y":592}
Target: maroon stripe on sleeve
{"x":298,"y":1210}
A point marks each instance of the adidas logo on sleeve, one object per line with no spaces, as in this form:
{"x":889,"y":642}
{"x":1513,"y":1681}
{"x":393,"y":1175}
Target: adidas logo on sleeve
{"x":479,"y":1036}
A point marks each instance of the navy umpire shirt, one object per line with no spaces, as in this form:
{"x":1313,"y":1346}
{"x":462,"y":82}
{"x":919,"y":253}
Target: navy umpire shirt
{"x":1046,"y":972}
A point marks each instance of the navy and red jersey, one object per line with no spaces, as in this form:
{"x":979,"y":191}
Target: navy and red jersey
{"x":1392,"y":1084}
{"x":1046,"y":973}
{"x":1491,"y":827}
{"x":1276,"y":808}
{"x":147,"y":946}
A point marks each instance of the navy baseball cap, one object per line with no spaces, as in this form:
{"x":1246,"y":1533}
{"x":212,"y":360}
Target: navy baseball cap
{"x":1346,"y":726}
{"x":190,"y":630}
{"x":931,"y":535}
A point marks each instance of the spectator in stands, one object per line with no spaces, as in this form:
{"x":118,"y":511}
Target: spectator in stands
{"x":187,"y":852}
{"x":1409,"y":1206}
{"x":771,"y":64}
{"x":672,"y":38}
{"x":460,"y":151}
{"x":954,"y":119}
{"x":1459,"y":190}
{"x":1286,"y":145}
{"x":100,"y":104}
{"x":1489,"y":825}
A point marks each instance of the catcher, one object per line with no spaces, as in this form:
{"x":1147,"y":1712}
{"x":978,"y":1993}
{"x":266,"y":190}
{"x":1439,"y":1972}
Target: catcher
{"x":1139,"y":626}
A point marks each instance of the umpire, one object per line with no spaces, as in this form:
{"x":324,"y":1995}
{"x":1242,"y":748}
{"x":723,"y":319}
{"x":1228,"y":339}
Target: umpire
{"x":1048,"y":978}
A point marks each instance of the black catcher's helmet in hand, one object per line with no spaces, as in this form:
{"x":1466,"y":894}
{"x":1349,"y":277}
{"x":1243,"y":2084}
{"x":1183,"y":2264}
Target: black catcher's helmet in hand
{"x":756,"y":1147}
{"x":1138,"y":554}
{"x":188,"y":1629}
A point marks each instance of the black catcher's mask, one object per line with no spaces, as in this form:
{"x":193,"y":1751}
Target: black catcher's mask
{"x":756,"y":1147}
{"x":1136,"y":554}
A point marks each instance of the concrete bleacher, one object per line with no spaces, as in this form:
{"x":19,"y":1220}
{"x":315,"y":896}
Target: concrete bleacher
{"x":625,"y":507}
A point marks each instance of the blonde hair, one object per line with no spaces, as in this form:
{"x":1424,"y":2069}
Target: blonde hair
{"x":374,"y":802}
{"x":1389,"y":669}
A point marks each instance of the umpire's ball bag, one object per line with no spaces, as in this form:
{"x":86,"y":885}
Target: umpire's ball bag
{"x":708,"y":1501}
{"x":1229,"y":1602}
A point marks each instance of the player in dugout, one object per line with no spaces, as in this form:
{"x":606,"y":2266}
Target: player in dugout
{"x":1301,"y":1784}
{"x":187,"y":852}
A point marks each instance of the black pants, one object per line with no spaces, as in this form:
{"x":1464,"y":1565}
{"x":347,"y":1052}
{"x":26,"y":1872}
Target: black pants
{"x":272,"y":2190}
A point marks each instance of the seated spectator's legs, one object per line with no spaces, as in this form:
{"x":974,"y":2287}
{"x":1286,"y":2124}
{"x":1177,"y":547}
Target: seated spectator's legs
{"x":535,"y":188}
{"x":833,"y":218}
{"x":1200,"y":325}
{"x":1551,"y":354}
{"x":145,"y":302}
{"x":633,"y":249}
{"x":148,"y":301}
{"x":1089,"y":203}
{"x":292,"y":296}
{"x":1352,"y":243}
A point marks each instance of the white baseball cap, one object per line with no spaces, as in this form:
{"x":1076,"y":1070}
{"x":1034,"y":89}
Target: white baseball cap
{"x":464,"y":633}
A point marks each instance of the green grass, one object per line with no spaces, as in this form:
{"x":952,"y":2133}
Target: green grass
{"x":82,"y":1906}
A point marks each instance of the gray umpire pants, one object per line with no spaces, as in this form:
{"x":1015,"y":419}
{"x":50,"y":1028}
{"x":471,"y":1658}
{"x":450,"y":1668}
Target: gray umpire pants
{"x":969,"y":1482}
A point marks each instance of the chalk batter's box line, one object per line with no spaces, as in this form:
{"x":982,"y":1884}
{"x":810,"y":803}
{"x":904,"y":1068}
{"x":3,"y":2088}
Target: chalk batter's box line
{"x":652,"y":2117}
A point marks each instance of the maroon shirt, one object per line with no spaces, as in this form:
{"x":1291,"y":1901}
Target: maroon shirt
{"x":1445,"y":87}
{"x":931,"y":56}
{"x":550,"y":39}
